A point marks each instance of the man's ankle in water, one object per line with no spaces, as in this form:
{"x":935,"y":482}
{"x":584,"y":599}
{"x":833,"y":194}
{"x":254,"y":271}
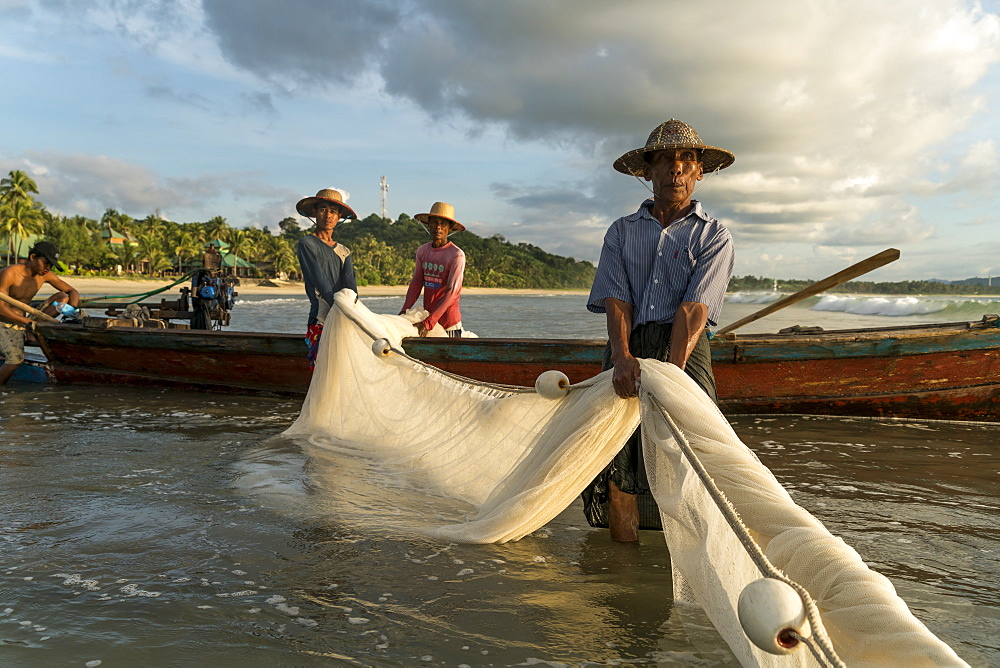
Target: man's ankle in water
{"x":623,"y":515}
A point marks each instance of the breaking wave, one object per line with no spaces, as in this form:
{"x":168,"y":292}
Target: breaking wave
{"x":942,"y":307}
{"x":268,"y":302}
{"x":754,"y":297}
{"x":959,"y":308}
{"x":888,"y":306}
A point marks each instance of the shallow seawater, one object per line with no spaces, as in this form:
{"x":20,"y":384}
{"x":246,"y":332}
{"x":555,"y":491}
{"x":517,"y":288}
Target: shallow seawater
{"x":149,"y":527}
{"x":562,"y":315}
{"x":146,"y":527}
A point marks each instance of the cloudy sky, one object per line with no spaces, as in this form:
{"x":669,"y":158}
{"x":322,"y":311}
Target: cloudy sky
{"x":857,"y":125}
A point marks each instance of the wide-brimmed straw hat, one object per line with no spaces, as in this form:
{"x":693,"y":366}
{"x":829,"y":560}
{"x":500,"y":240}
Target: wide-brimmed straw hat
{"x":441,"y":210}
{"x":670,"y":135}
{"x":307,"y":205}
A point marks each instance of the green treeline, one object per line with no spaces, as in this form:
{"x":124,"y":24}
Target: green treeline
{"x":383,"y":251}
{"x":152,"y":246}
{"x":968,"y":287}
{"x":384,"y":254}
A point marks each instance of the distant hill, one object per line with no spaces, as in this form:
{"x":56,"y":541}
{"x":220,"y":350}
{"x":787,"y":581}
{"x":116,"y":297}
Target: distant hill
{"x":384,"y":255}
{"x":968,"y":286}
{"x":970,"y":281}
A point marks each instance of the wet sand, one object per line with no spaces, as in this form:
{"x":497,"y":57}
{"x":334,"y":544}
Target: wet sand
{"x":251,"y":286}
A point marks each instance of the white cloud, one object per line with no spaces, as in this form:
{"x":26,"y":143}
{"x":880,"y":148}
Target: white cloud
{"x":840,"y":111}
{"x":13,"y":6}
{"x":87,"y":185}
{"x":842,"y":115}
{"x":982,"y":156}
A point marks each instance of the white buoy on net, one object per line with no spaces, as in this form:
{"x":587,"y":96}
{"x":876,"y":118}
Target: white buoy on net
{"x":552,"y":384}
{"x":771,"y":614}
{"x":381,"y":347}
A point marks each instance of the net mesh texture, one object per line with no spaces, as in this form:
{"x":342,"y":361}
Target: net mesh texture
{"x":520,"y":459}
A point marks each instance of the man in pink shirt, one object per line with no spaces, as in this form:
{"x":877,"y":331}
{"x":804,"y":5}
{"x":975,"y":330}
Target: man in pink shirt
{"x":438,"y":272}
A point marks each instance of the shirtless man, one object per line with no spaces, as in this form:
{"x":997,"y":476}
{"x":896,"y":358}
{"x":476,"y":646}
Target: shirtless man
{"x":22,"y":281}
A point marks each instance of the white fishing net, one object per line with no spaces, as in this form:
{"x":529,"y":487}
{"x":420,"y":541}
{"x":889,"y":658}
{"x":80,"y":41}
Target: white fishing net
{"x":520,"y":459}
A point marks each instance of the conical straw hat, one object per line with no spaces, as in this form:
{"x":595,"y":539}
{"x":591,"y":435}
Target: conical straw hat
{"x":307,"y":205}
{"x":669,"y":135}
{"x":442,"y":210}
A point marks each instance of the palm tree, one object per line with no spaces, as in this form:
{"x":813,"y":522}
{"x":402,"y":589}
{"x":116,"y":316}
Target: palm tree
{"x":186,"y":245}
{"x":19,"y":219}
{"x":17,"y":185}
{"x":149,"y":247}
{"x":18,"y":215}
{"x":216,"y":228}
{"x":154,"y":225}
{"x":260,"y":240}
{"x":279,"y":253}
{"x":241,"y":243}
{"x":158,"y":261}
{"x":125,"y":255}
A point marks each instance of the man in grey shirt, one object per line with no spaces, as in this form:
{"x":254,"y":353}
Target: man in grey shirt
{"x":326,"y":265}
{"x":661,"y":280}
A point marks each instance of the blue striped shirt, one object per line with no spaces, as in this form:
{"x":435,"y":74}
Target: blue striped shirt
{"x":655,"y":268}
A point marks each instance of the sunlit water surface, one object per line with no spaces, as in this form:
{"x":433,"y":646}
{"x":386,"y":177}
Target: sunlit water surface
{"x":148,"y":527}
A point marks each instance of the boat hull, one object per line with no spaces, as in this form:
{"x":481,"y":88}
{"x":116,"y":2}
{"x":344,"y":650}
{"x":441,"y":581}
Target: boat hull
{"x":232,"y":362}
{"x":946,"y":371}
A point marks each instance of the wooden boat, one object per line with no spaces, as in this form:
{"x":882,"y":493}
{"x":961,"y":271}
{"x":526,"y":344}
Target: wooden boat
{"x":233,"y":362}
{"x":939,"y":371}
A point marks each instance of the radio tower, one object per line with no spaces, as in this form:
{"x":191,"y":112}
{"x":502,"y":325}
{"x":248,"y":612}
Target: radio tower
{"x":384,"y":188}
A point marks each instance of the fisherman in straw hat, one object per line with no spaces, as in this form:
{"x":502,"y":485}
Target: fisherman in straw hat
{"x":661,"y":281}
{"x":439,"y":270}
{"x":326,"y":265}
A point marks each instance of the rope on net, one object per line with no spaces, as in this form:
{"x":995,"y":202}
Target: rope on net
{"x":753,"y":550}
{"x":493,"y":387}
{"x":819,"y":643}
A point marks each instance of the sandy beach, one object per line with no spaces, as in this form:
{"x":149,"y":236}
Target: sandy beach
{"x":97,"y":287}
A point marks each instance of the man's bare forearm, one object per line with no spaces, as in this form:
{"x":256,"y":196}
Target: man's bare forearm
{"x":626,"y":376}
{"x":10,"y":314}
{"x":619,"y":316}
{"x":689,"y":325}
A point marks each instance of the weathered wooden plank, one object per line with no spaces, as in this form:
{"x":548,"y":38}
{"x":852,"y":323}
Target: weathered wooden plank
{"x":937,"y":371}
{"x":980,"y":403}
{"x":868,"y":345}
{"x":512,"y":351}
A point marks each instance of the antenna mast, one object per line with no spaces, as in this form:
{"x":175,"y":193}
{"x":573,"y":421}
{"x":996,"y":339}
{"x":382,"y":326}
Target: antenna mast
{"x":383,"y":186}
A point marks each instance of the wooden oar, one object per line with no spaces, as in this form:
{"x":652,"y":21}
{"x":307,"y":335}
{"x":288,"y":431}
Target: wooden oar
{"x":855,"y":270}
{"x":44,"y":317}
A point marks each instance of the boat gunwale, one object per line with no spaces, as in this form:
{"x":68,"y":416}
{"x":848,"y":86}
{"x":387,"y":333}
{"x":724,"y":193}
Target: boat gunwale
{"x":989,"y":322}
{"x":45,"y":328}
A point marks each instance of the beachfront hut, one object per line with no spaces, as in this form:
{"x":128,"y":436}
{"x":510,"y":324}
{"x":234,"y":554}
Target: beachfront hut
{"x":113,"y":237}
{"x":24,"y":244}
{"x":234,"y":264}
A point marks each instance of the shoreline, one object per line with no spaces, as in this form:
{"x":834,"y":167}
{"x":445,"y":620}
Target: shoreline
{"x":99,"y":286}
{"x":105,"y":286}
